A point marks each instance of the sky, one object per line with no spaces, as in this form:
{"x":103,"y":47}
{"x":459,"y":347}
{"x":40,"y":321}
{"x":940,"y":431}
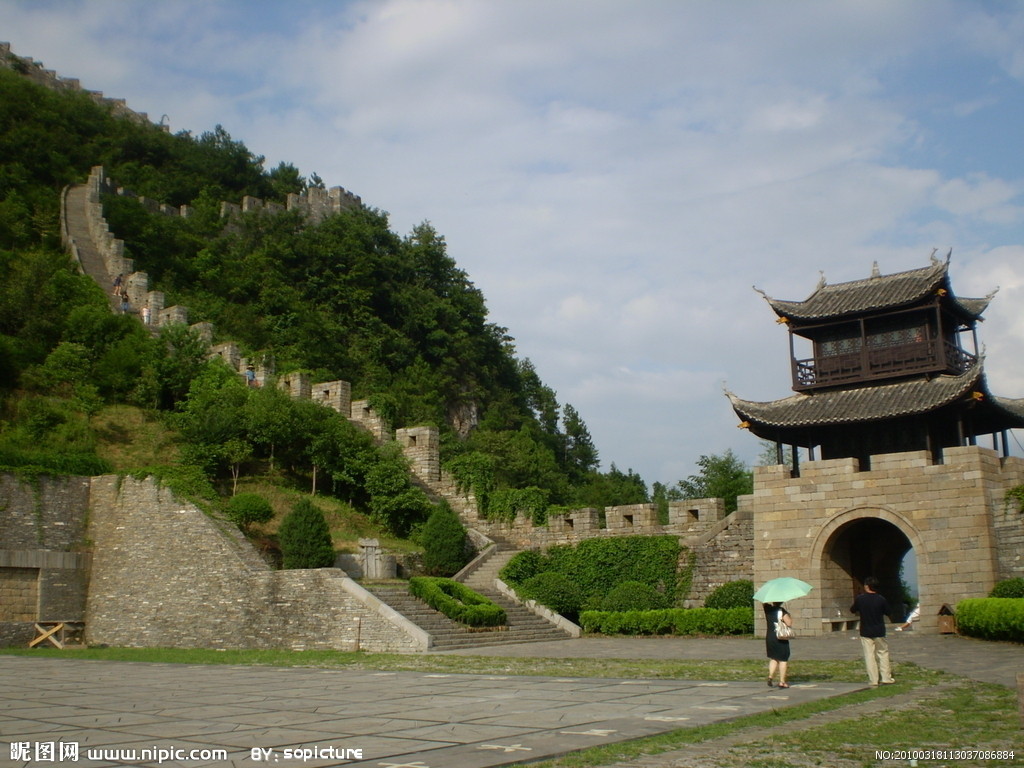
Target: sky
{"x":617,"y":177}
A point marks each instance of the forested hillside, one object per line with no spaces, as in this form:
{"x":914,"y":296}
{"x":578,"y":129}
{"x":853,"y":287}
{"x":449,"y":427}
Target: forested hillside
{"x":344,"y":299}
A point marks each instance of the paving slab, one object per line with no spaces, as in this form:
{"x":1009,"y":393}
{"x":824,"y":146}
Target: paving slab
{"x":384,"y":720}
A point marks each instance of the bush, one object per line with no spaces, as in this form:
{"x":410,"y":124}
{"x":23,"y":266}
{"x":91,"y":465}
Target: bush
{"x":444,"y":542}
{"x":599,"y":565}
{"x":992,"y":618}
{"x":305,"y":539}
{"x":673,"y":621}
{"x":733,"y":594}
{"x":633,"y":596}
{"x":457,"y":601}
{"x":522,"y":567}
{"x":555,"y":591}
{"x":245,"y":509}
{"x":1008,"y":588}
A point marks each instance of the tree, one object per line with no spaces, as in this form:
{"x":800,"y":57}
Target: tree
{"x":444,"y":542}
{"x":723,"y":476}
{"x":245,"y":509}
{"x":305,"y":538}
{"x":580,"y":453}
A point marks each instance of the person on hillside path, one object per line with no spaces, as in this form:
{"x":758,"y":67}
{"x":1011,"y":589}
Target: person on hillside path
{"x":117,"y":284}
{"x":872,"y":609}
{"x":777,"y":649}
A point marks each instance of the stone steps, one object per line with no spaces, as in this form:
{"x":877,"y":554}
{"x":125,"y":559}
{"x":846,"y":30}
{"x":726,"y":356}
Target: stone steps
{"x":523,"y":626}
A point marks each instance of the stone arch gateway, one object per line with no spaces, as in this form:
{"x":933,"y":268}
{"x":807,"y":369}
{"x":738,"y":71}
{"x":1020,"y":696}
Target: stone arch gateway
{"x":855,"y":544}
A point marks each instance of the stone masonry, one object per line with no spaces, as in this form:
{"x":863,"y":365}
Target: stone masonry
{"x":165,"y":574}
{"x":44,"y":561}
{"x":954,"y":515}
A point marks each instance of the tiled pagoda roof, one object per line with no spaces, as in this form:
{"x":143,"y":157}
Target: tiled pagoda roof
{"x":878,"y":402}
{"x":876,"y":293}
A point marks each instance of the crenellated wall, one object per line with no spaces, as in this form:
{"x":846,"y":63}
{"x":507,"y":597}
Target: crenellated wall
{"x":34,"y":71}
{"x":835,"y":524}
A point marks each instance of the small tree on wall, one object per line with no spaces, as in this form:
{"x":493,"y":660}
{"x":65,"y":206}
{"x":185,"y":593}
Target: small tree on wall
{"x":305,"y":539}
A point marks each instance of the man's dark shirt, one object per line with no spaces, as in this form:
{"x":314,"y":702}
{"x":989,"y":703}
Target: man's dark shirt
{"x":872,"y":609}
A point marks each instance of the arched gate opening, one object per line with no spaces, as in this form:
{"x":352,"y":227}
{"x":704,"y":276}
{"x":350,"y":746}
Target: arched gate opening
{"x":862,"y":547}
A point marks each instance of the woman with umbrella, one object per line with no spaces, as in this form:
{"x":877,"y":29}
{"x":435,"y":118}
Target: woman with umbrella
{"x":772,"y":594}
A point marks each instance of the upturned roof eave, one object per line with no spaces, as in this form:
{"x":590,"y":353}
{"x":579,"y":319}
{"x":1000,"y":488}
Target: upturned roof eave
{"x":842,"y":406}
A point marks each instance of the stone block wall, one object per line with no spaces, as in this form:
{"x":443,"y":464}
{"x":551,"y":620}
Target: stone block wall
{"x":166,"y":574}
{"x":43,"y":564}
{"x":953,"y":514}
{"x":422,"y":446}
{"x":724,"y":553}
{"x":47,"y":78}
{"x":19,"y":594}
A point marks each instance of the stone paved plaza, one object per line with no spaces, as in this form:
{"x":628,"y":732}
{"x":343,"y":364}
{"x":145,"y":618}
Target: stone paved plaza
{"x":417,"y":719}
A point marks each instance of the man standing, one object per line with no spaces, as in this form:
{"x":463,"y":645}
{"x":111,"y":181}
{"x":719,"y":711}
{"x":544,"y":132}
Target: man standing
{"x":872,"y":609}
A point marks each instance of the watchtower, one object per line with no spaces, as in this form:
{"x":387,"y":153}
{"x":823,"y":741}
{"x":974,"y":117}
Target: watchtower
{"x":884,"y":365}
{"x":890,"y":392}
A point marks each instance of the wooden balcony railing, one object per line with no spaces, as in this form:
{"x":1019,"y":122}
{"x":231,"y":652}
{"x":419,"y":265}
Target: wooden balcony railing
{"x":870,"y":363}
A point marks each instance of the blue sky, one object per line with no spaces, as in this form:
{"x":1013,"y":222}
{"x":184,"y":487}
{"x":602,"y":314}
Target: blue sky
{"x":616,"y":176}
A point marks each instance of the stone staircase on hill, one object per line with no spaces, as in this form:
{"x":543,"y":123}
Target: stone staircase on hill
{"x":481,"y":578}
{"x":523,"y":625}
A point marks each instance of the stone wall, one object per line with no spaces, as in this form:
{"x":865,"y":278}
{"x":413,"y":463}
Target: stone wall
{"x":723,"y":554}
{"x":44,"y":564}
{"x":34,"y":71}
{"x":165,"y":574}
{"x":953,"y":514}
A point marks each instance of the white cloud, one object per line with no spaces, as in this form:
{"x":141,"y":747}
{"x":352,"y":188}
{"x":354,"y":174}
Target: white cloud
{"x":614,"y":176}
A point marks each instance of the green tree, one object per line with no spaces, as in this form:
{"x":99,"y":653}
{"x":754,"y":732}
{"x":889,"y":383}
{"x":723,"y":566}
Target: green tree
{"x":444,"y":542}
{"x":247,"y":509}
{"x":580,"y":453}
{"x":721,"y":476}
{"x":394,"y":503}
{"x":305,"y":538}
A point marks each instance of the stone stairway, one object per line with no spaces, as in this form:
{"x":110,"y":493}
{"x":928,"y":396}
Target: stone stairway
{"x":89,"y":257}
{"x":482,"y":578}
{"x":523,"y":625}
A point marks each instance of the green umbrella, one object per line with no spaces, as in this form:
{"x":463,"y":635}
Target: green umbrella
{"x":782,"y":589}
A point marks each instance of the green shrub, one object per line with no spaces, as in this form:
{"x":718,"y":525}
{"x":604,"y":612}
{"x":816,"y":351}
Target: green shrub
{"x":444,"y":542}
{"x":733,"y":594}
{"x":597,"y":566}
{"x":522,"y":567}
{"x":991,"y":618}
{"x":457,"y":601}
{"x":246,"y":509}
{"x":673,"y":621}
{"x":305,"y":539}
{"x":1008,"y":588}
{"x":555,"y":591}
{"x":633,"y":596}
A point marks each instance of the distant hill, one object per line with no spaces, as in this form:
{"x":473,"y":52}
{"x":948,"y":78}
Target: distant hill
{"x":344,"y":298}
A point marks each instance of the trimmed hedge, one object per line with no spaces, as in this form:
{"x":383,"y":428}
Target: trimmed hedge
{"x":457,"y":601}
{"x":1008,"y":588}
{"x":732,"y":594}
{"x":672,"y":621}
{"x":554,"y":591}
{"x":991,"y":618}
{"x":634,"y":596}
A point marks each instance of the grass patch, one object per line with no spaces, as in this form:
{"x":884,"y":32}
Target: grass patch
{"x":752,"y":669}
{"x":128,"y":438}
